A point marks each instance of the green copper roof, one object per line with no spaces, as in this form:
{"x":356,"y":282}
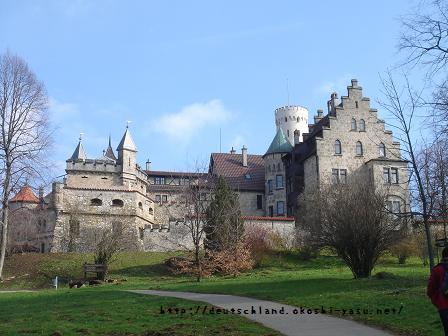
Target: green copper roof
{"x":280,"y":144}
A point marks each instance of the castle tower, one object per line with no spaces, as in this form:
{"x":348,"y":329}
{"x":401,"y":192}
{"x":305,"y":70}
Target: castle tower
{"x":79,"y":153}
{"x":127,"y":156}
{"x":275,"y":187}
{"x":290,"y":119}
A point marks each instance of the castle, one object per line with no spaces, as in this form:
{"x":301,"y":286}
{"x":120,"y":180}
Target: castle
{"x":113,"y":190}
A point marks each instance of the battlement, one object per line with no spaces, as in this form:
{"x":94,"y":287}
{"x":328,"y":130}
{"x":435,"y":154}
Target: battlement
{"x":93,"y":165}
{"x":290,"y":108}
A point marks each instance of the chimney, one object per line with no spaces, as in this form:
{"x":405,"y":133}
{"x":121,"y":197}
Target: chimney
{"x":296,"y":137}
{"x":320,"y":114}
{"x":232,"y":151}
{"x":148,"y":165}
{"x":354,"y":83}
{"x":41,"y":197}
{"x":332,"y":103}
{"x":244,"y":155}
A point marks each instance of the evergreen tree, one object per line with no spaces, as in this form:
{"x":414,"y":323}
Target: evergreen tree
{"x":223,"y":226}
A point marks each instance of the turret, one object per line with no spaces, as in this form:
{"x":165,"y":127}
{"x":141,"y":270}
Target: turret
{"x":127,"y":156}
{"x":79,"y":154}
{"x":290,"y":119}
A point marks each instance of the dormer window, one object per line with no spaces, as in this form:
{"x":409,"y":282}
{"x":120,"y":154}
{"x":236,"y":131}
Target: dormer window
{"x":117,"y":202}
{"x":247,"y":176}
{"x":96,"y":202}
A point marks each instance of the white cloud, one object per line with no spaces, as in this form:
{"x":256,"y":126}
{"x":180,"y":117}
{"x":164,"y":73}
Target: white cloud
{"x":183,"y":125}
{"x":60,"y":110}
{"x":339,"y":85}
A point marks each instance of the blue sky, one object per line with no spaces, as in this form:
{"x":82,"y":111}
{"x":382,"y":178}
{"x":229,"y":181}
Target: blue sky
{"x":181,"y":70}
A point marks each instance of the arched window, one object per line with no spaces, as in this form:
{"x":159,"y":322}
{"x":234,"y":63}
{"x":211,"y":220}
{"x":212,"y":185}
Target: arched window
{"x":151,"y":211}
{"x":117,"y":202}
{"x":382,"y":150}
{"x":140,"y":205}
{"x":96,"y":202}
{"x":362,"y":125}
{"x":337,"y":147}
{"x":353,"y":125}
{"x":359,"y":148}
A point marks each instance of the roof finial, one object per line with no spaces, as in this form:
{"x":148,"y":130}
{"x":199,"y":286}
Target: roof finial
{"x":80,"y":136}
{"x":127,"y":123}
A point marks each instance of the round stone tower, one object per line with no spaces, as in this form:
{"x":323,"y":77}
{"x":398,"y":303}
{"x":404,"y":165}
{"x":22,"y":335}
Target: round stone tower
{"x":275,"y":187}
{"x":292,"y":118}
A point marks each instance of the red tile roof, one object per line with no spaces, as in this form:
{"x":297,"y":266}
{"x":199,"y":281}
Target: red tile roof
{"x":25,"y":195}
{"x":270,"y":219}
{"x":250,"y":178}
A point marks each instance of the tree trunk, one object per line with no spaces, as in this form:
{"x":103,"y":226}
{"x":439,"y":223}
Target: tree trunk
{"x":5,"y":219}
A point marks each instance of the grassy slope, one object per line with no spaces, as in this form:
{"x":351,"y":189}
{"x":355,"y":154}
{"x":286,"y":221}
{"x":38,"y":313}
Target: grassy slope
{"x":321,"y":282}
{"x":104,"y":310}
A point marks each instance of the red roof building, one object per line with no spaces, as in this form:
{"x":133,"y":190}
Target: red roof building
{"x":25,"y":195}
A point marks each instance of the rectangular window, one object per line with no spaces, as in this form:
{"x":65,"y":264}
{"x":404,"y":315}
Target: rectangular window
{"x":386,"y":175}
{"x":394,"y":175}
{"x":279,"y":181}
{"x":343,"y":175}
{"x":159,"y":180}
{"x":270,"y":186}
{"x":259,"y":202}
{"x":335,"y":176}
{"x":158,"y":198}
{"x":271,"y":211}
{"x":164,"y":198}
{"x":280,"y":208}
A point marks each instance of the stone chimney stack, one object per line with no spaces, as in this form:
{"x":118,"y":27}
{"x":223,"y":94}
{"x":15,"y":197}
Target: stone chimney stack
{"x":41,"y":197}
{"x":232,"y":151}
{"x":148,"y":165}
{"x":296,"y":137}
{"x":354,"y":83}
{"x":332,"y":103}
{"x":320,"y":115}
{"x":244,"y":155}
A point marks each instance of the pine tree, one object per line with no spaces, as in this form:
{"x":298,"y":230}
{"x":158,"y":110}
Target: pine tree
{"x":223,"y":226}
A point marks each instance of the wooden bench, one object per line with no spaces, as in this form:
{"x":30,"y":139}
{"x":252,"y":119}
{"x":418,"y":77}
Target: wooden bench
{"x":98,"y":269}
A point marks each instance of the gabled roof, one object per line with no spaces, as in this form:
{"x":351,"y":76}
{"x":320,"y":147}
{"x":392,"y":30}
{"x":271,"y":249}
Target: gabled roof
{"x":279,"y":144}
{"x":79,"y":153}
{"x":109,"y":153}
{"x":26,"y":195}
{"x":230,"y":166}
{"x":127,"y":142}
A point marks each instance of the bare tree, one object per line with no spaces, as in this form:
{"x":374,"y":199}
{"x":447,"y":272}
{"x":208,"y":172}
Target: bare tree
{"x":403,"y":105}
{"x":24,"y":131}
{"x":424,"y":41}
{"x":351,"y":218}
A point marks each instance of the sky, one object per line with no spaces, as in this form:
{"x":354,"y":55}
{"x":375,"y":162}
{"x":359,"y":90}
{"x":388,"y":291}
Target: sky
{"x":184,"y":72}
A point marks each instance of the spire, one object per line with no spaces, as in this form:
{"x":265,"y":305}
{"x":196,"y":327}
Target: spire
{"x":127,"y":142}
{"x":79,"y":153}
{"x":109,"y":152}
{"x":279,"y":144}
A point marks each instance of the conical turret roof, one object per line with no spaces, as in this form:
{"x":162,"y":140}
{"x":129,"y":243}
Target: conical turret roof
{"x":25,"y":195}
{"x":279,"y":144}
{"x":109,"y":153}
{"x":127,"y":142}
{"x":79,"y":153}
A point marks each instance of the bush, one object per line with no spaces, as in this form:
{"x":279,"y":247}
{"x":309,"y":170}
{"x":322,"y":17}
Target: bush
{"x":257,"y":240}
{"x":307,"y":253}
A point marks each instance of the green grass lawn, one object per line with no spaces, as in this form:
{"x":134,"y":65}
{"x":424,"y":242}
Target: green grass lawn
{"x":282,"y":277}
